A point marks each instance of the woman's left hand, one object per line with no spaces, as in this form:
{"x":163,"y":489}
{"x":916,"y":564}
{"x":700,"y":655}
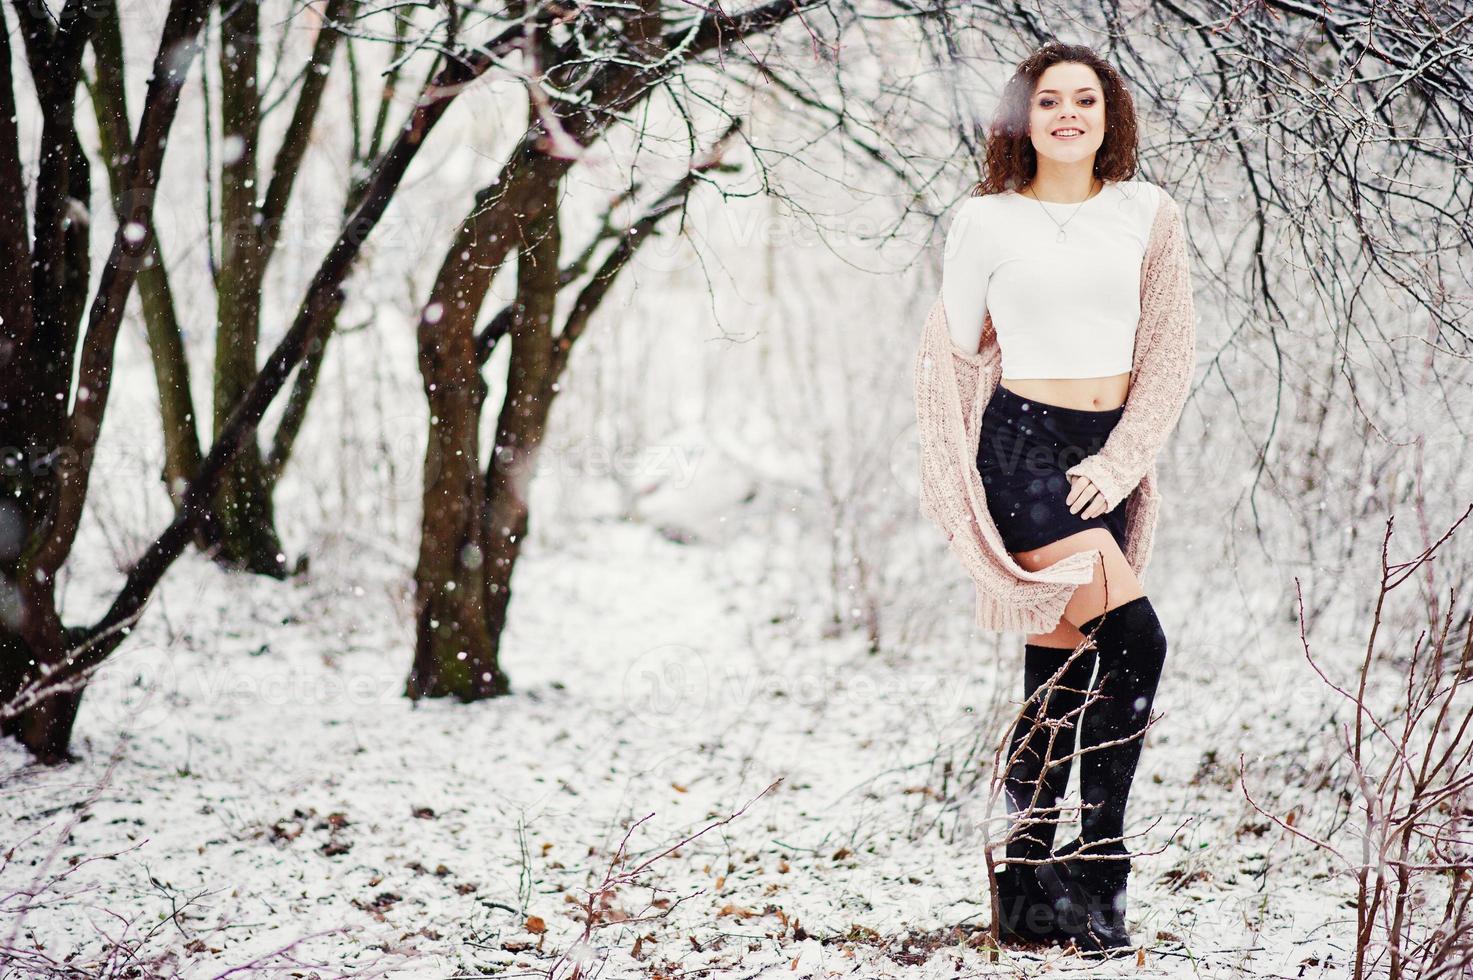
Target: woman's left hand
{"x":1083,"y":494}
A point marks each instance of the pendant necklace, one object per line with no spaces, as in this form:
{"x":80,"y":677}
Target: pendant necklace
{"x":1062,"y":235}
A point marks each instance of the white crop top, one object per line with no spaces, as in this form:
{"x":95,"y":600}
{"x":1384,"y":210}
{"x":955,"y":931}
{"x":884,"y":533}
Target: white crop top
{"x":1061,"y":309}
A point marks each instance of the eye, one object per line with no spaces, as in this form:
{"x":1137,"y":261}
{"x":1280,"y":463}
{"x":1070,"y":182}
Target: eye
{"x":1046,"y":102}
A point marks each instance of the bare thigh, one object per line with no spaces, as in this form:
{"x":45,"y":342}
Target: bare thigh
{"x":1112,"y":584}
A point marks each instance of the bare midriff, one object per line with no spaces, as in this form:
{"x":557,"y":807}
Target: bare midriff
{"x":1086,"y":394}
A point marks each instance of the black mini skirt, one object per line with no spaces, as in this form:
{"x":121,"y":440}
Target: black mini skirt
{"x":1023,"y":450}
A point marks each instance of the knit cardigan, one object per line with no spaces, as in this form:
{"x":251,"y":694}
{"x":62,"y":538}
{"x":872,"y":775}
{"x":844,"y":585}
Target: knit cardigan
{"x":952,"y":388}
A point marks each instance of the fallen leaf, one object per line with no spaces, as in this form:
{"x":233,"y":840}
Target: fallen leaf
{"x":737,"y":911}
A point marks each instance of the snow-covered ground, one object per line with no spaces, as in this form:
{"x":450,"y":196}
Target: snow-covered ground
{"x":252,"y":774}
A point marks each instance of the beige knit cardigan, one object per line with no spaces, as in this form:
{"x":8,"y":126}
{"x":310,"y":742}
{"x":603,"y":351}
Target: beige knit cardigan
{"x":952,"y":387}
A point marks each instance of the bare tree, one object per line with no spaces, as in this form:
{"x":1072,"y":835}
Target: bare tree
{"x":47,"y":672}
{"x":43,"y":663}
{"x":49,"y":427}
{"x":240,"y":527}
{"x":474,"y":523}
{"x":1410,"y":765}
{"x":250,"y":225}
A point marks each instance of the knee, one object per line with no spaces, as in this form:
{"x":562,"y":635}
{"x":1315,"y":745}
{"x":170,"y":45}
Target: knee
{"x":1138,"y":618}
{"x":1144,"y":626}
{"x":1145,"y":645}
{"x":1133,"y":635}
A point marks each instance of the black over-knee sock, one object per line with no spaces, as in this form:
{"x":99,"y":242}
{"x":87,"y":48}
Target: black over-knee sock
{"x":1132,"y":650}
{"x":1029,"y":747}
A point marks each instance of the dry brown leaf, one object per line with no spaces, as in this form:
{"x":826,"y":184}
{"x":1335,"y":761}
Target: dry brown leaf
{"x":736,"y":910}
{"x":536,"y":925}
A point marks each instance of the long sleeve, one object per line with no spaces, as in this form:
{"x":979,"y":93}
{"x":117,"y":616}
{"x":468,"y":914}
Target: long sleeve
{"x":1163,"y":366}
{"x":964,"y":273}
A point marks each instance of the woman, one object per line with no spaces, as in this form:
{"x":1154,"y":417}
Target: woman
{"x":1068,"y":280}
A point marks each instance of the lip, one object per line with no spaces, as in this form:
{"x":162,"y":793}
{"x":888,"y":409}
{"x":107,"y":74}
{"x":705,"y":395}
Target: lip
{"x":1078,"y":133}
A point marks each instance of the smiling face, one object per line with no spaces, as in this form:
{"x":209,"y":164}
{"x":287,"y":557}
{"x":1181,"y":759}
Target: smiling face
{"x":1066,"y":119}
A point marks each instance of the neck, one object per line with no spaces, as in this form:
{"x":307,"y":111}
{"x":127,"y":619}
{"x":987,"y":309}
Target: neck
{"x":1064,"y":182}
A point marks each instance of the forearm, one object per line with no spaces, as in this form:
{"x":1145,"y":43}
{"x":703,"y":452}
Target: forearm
{"x":1144,"y":426}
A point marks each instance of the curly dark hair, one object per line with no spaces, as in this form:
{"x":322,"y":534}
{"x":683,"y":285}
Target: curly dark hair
{"x":1011,"y":159}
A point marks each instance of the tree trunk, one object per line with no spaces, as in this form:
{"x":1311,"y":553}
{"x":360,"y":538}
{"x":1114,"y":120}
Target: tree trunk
{"x":453,"y":652}
{"x":39,"y":343}
{"x":31,"y":633}
{"x":455,"y":647}
{"x":47,"y":463}
{"x":523,"y":420}
{"x":161,"y":322}
{"x":248,"y":539}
